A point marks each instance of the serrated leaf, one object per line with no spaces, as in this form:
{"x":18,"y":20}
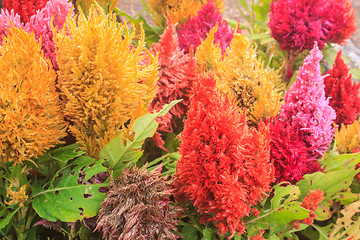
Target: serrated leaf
{"x":66,"y":199}
{"x":284,"y":194}
{"x":119,"y":153}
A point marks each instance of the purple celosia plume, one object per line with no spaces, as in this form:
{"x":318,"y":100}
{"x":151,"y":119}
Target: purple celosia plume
{"x":306,"y":106}
{"x":52,"y":15}
{"x":192,"y":32}
{"x":6,"y":18}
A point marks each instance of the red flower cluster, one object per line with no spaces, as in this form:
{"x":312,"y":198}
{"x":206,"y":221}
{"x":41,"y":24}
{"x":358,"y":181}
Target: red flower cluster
{"x":311,"y":202}
{"x":25,"y":8}
{"x":290,"y":153}
{"x":296,"y":25}
{"x":192,"y":32}
{"x":224,"y":168}
{"x":343,"y":94}
{"x":176,"y":76}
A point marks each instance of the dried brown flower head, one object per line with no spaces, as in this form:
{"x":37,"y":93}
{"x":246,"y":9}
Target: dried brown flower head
{"x":137,"y":207}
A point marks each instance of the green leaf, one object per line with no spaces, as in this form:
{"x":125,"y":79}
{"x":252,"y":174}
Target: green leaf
{"x":189,"y":232}
{"x":207,"y":232}
{"x":62,"y":154}
{"x":286,"y":214}
{"x":120,"y":153}
{"x":245,"y":5}
{"x":284,"y":194}
{"x":68,"y":198}
{"x":355,"y":73}
{"x":5,"y":221}
{"x":339,"y":162}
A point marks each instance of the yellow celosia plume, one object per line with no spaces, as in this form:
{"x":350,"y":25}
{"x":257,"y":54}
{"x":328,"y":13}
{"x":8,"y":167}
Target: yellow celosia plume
{"x":16,"y":196}
{"x":102,"y":76}
{"x":107,"y":5}
{"x":31,"y":120}
{"x":178,"y":10}
{"x":347,"y":139}
{"x":242,"y":76}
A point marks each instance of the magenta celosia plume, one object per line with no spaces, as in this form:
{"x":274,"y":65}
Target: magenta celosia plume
{"x":192,"y":32}
{"x":224,"y":167}
{"x":6,"y":18}
{"x":25,"y":8}
{"x":342,"y":92}
{"x":54,"y":15}
{"x":305,"y":105}
{"x":296,"y":25}
{"x":291,"y":156}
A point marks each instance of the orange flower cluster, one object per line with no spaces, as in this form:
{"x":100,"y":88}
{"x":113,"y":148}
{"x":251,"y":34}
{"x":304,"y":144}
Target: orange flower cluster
{"x":102,"y":76}
{"x":30,"y":115}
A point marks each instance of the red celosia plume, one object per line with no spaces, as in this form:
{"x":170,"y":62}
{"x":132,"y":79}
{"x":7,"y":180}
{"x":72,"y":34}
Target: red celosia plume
{"x":224,"y":168}
{"x":342,"y":92}
{"x":25,"y":8}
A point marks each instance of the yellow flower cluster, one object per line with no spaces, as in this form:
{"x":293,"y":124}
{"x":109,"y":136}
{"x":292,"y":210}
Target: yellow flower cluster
{"x":242,"y":76}
{"x":16,"y":196}
{"x":347,"y":139}
{"x":178,"y":10}
{"x":107,"y":5}
{"x":102,"y":76}
{"x":30,"y":115}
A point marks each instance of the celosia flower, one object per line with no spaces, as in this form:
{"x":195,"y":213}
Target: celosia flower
{"x":178,"y":10}
{"x":296,"y":25}
{"x":224,"y":167}
{"x":242,"y":76}
{"x":311,"y":202}
{"x":16,"y":196}
{"x":194,"y":30}
{"x":290,"y":153}
{"x":25,"y":8}
{"x":305,"y":105}
{"x":107,"y":5}
{"x":343,"y":94}
{"x":176,"y":76}
{"x":347,"y":138}
{"x":137,"y":206}
{"x":6,"y":19}
{"x":258,"y":236}
{"x":30,"y":115}
{"x":350,"y":21}
{"x":53,"y":15}
{"x":101,"y":76}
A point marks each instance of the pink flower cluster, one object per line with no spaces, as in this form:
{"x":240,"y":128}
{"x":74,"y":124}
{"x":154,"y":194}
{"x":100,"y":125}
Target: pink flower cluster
{"x":296,"y":25}
{"x":305,"y":126}
{"x":192,"y":32}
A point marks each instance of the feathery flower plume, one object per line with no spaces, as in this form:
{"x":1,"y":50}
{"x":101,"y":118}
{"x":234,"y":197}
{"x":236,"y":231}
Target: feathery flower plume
{"x":101,"y":76}
{"x":347,"y":138}
{"x":311,"y":202}
{"x":296,"y":25}
{"x":350,"y":21}
{"x":242,"y":76}
{"x":137,"y":207}
{"x":178,"y":10}
{"x":53,"y":15}
{"x":305,"y":105}
{"x":290,"y":153}
{"x":25,"y":8}
{"x":343,"y":94}
{"x":224,"y":168}
{"x":30,"y":116}
{"x":176,"y":76}
{"x":107,"y":5}
{"x":194,"y":30}
{"x":16,"y":196}
{"x":6,"y":19}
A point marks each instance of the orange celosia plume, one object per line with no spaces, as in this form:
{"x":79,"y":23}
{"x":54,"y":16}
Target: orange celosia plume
{"x":30,"y":115}
{"x":102,"y":76}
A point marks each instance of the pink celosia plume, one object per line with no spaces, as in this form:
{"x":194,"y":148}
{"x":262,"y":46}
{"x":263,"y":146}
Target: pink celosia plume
{"x":195,"y":30}
{"x":6,"y":18}
{"x":52,"y":15}
{"x":305,"y":105}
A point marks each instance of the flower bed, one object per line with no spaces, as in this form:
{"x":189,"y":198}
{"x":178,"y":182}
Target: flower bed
{"x":196,"y":127}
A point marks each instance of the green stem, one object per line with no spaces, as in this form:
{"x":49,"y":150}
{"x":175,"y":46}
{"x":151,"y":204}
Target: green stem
{"x":195,"y":224}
